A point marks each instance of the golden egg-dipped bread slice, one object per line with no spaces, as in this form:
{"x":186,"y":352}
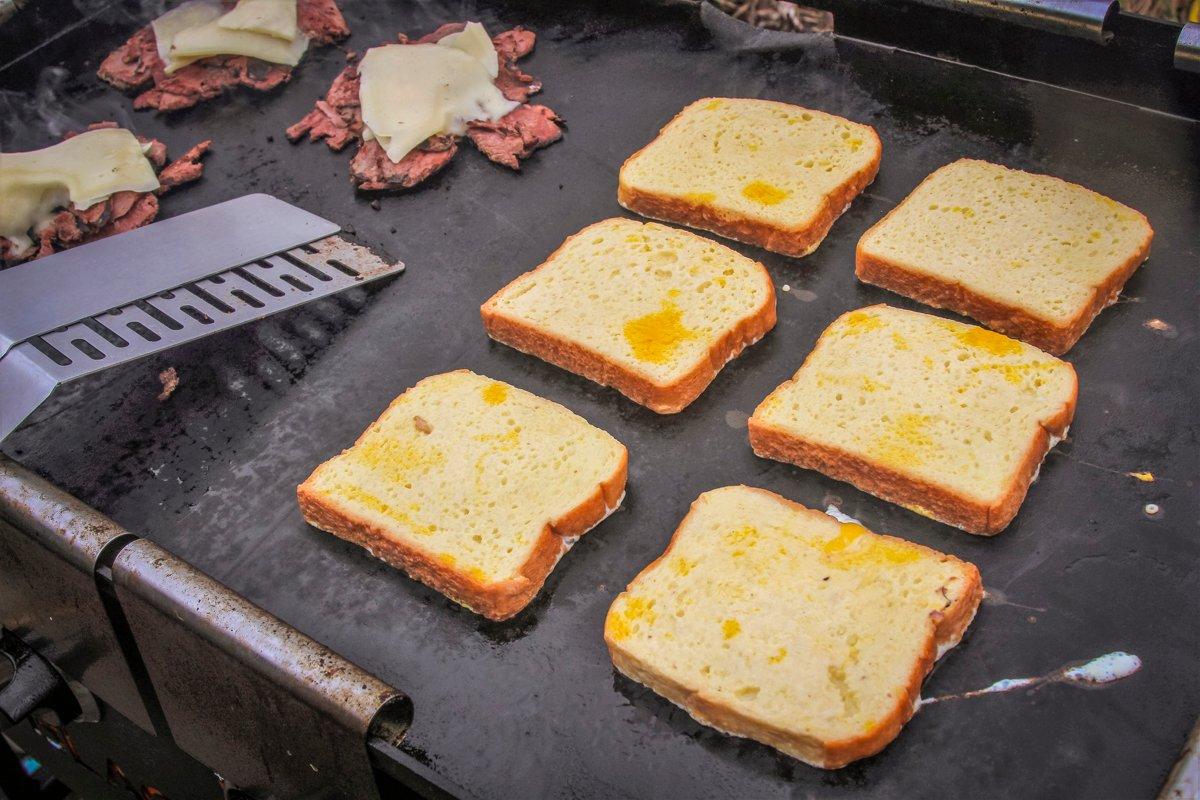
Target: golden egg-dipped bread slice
{"x":471,"y":486}
{"x":758,"y":171}
{"x":1031,"y":256}
{"x":772,"y":621}
{"x":652,"y":311}
{"x":949,"y":420}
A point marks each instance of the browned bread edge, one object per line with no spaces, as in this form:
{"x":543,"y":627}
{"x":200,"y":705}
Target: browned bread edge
{"x":1007,"y":319}
{"x":496,"y":601}
{"x":947,"y":627}
{"x":923,"y":497}
{"x":795,"y":242}
{"x":575,"y":357}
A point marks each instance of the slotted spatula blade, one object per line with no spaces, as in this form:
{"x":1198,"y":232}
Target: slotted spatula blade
{"x":138,"y":293}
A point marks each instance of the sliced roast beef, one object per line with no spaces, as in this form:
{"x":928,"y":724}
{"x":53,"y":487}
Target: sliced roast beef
{"x":516,"y":135}
{"x":185,"y":169}
{"x":122,"y":211}
{"x":135,"y":64}
{"x":337,"y":119}
{"x":209,"y":77}
{"x":515,"y":43}
{"x":129,"y":210}
{"x":516,"y":85}
{"x":372,"y":170}
{"x":321,"y":21}
{"x":441,"y":33}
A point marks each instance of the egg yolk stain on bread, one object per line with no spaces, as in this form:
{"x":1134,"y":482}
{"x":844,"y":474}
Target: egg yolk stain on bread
{"x":993,"y":343}
{"x":394,"y":460}
{"x":495,"y":393}
{"x":904,"y":440}
{"x":656,"y":336}
{"x":764,"y":193}
{"x":840,"y":551}
{"x":861,"y":322}
{"x":620,"y":624}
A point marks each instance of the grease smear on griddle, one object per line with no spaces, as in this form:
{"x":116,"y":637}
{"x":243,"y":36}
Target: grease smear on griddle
{"x":997,"y":597}
{"x":1161,"y":326}
{"x":1099,"y":671}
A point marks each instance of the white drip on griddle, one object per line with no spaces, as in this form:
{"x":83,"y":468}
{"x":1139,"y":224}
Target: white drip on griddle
{"x":1099,"y":671}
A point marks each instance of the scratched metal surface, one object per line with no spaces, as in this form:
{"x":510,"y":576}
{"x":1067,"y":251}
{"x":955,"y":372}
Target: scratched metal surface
{"x":533,"y":708}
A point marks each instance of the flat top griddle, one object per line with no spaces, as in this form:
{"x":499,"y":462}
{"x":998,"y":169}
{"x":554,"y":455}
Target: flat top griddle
{"x":532,"y":707}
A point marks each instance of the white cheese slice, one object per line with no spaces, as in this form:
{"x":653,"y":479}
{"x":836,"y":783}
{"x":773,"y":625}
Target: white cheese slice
{"x":83,"y":170}
{"x":187,"y":15}
{"x":409,"y":92}
{"x":210,"y":39}
{"x":474,"y":41}
{"x":275,"y":18}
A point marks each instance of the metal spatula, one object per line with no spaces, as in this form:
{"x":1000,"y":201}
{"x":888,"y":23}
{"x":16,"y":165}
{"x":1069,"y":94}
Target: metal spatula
{"x":138,"y":293}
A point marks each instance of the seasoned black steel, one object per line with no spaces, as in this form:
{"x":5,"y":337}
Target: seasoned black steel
{"x":261,"y":704}
{"x":532,"y":708}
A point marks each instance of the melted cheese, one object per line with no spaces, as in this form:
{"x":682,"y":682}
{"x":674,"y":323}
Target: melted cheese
{"x":210,"y":39}
{"x":410,"y":92}
{"x":191,"y":14}
{"x":474,"y":41}
{"x":83,"y":170}
{"x":275,"y":18}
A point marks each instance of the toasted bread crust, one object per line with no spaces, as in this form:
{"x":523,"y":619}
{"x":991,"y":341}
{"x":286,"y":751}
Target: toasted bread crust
{"x":946,"y":628}
{"x":582,"y":360}
{"x":923,"y":497}
{"x":795,"y":242}
{"x":496,"y":601}
{"x":932,"y":290}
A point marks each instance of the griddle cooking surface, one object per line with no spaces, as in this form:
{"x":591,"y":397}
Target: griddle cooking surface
{"x":533,"y":708}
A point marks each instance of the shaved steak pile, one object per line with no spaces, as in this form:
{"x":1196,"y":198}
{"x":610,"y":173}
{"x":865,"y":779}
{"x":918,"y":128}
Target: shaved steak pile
{"x":123,"y":211}
{"x":337,"y":119}
{"x":136,"y":63}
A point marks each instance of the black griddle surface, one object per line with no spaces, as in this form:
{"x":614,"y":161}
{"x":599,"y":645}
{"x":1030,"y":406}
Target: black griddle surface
{"x":533,"y":708}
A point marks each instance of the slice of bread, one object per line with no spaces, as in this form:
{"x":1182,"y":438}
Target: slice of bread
{"x":653,"y":311}
{"x":769,"y":620}
{"x":765,"y":173}
{"x":949,"y":420}
{"x":1028,"y":255}
{"x":471,"y":486}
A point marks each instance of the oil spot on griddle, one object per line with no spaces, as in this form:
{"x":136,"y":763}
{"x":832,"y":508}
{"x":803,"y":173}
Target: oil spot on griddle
{"x":1161,"y":326}
{"x":803,"y":295}
{"x":1093,"y":674}
{"x":736,"y":419}
{"x":996,"y":597}
{"x":1142,"y":476}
